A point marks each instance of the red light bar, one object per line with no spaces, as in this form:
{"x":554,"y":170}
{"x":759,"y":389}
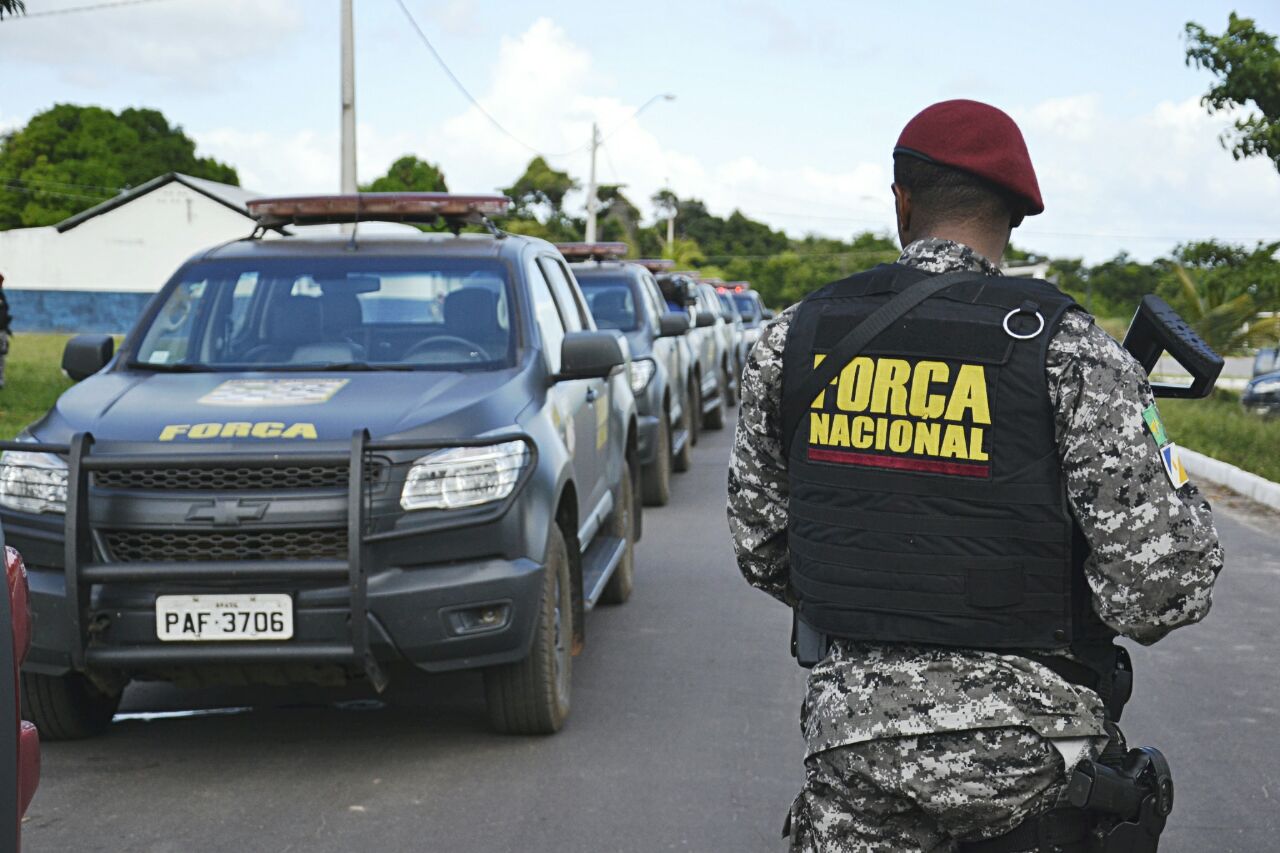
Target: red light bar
{"x":739,"y":286}
{"x":381,"y":207}
{"x":655,"y":264}
{"x":593,"y":251}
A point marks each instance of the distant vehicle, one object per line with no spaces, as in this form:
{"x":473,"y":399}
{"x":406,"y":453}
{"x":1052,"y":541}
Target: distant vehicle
{"x":1262,"y":394}
{"x":316,"y":457}
{"x":750,"y":309}
{"x":20,"y":774}
{"x":728,"y":333}
{"x":625,"y":296}
{"x":1266,"y":361}
{"x":705,"y":341}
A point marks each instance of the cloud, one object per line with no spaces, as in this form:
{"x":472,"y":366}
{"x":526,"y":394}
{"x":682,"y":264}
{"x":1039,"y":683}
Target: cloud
{"x":1139,"y":181}
{"x":197,"y":44}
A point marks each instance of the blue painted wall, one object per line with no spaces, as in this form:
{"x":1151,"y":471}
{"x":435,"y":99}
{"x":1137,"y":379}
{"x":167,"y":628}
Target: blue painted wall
{"x":74,"y":310}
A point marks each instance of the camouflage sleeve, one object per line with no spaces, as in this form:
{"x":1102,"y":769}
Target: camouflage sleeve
{"x":758,"y":472}
{"x":1155,"y":550}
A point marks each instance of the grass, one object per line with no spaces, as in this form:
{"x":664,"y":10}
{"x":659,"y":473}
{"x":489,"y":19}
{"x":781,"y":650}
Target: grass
{"x":1220,"y":428}
{"x":33,"y":380}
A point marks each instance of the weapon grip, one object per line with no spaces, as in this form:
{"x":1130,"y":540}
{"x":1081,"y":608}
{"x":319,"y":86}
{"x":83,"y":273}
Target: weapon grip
{"x":1157,"y":328}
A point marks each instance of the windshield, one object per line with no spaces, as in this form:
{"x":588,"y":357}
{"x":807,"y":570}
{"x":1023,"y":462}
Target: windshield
{"x":726,"y":303}
{"x":747,"y":307}
{"x":313,"y":313}
{"x":611,"y":301}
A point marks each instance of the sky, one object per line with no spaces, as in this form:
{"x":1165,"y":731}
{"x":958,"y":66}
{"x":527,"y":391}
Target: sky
{"x":787,"y":111}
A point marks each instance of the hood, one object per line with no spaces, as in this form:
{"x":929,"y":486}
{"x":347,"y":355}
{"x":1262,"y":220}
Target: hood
{"x":215,"y":410}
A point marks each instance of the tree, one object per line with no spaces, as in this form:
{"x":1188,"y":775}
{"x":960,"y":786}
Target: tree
{"x":70,"y":157}
{"x":1247,"y":64}
{"x":409,"y":174}
{"x":1228,"y":323}
{"x":540,"y":186}
{"x":12,"y":7}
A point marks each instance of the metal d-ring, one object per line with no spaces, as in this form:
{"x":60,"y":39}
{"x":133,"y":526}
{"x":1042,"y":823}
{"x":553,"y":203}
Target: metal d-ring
{"x":1011,"y":333}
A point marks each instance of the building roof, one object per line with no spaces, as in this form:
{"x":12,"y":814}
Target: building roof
{"x":225,"y":194}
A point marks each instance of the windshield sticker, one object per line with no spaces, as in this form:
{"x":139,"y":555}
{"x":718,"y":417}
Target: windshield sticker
{"x":160,"y":356}
{"x":238,"y":429}
{"x":273,"y":392}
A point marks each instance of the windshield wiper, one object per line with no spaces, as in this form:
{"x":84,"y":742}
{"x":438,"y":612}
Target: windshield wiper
{"x":171,"y":368}
{"x":354,"y":366}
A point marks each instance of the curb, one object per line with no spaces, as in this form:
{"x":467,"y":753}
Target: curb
{"x":1238,"y":480}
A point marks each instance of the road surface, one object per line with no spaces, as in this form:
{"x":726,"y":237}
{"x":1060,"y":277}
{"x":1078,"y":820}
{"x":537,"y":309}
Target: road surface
{"x":683,"y":734}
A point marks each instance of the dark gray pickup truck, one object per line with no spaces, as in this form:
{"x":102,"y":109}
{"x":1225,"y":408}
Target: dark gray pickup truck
{"x":315,"y":458}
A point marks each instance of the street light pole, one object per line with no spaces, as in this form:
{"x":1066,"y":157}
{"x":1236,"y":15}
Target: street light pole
{"x":348,"y":101}
{"x":592,"y":201}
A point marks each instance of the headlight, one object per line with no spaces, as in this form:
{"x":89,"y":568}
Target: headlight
{"x":33,"y":482}
{"x":641,"y":372}
{"x":464,"y":476}
{"x":1266,"y":386}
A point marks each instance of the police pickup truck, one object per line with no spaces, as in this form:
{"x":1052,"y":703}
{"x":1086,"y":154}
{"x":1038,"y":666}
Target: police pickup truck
{"x":706,"y":341}
{"x":625,"y":296}
{"x":314,"y":458}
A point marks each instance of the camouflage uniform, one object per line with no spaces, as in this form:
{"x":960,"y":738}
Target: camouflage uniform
{"x":924,"y":745}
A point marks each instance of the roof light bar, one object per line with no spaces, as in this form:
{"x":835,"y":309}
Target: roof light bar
{"x":380,"y":207}
{"x":739,"y":286}
{"x":655,"y":264}
{"x":593,"y":251}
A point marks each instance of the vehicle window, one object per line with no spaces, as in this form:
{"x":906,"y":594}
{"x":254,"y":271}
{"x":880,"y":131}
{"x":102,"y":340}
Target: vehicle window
{"x":726,"y":306}
{"x":571,"y":307}
{"x":652,"y":295}
{"x":611,"y":302}
{"x":547,"y":315}
{"x":308,"y":313}
{"x":747,"y":306}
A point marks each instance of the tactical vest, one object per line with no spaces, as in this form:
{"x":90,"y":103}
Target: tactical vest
{"x":927,"y":501}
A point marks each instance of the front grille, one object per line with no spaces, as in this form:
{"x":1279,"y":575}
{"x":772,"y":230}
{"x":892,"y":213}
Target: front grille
{"x":247,"y":478}
{"x":147,"y":546}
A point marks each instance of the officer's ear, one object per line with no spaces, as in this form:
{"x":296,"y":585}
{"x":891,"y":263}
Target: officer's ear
{"x":902,"y":206}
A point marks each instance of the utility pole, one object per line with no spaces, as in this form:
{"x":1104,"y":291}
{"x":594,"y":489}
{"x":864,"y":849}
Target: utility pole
{"x":671,"y":222}
{"x":592,"y":202}
{"x":348,"y":101}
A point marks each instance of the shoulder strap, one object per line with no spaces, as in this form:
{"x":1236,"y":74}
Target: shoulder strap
{"x":869,"y":329}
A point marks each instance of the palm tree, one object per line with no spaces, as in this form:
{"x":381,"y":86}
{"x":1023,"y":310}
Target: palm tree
{"x":1229,"y":324}
{"x":12,"y":7}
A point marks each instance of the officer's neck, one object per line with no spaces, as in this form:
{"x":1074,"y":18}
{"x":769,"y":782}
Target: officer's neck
{"x":990,"y":244}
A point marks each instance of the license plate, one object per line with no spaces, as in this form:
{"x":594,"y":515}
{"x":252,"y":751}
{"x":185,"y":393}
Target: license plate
{"x":263,"y":616}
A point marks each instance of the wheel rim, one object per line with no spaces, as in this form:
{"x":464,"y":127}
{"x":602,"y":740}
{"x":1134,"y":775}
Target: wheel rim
{"x":561,"y":641}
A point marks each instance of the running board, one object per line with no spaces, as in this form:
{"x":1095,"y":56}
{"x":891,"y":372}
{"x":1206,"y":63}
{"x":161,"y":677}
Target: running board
{"x":598,"y":563}
{"x":678,"y":440}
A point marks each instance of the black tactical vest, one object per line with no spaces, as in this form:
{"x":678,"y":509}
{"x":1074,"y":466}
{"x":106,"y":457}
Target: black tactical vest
{"x":927,"y":501}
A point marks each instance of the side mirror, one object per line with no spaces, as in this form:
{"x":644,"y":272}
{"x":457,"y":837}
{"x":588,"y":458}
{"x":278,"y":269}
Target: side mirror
{"x":706,"y":318}
{"x":673,"y":324}
{"x":590,"y":355}
{"x":85,"y":355}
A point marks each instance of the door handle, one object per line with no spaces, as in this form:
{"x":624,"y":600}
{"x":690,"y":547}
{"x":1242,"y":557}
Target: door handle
{"x":592,"y":395}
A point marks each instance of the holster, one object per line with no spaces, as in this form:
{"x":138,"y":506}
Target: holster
{"x":1117,"y":806}
{"x":808,"y":644}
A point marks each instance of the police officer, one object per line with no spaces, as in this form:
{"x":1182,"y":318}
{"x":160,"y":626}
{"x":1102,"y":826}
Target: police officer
{"x":964,"y":507}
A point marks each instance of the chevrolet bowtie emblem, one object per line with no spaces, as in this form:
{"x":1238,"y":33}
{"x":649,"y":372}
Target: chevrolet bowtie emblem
{"x":227,"y":512}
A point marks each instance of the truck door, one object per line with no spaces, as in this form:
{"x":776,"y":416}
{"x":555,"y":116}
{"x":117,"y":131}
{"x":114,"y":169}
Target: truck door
{"x":592,"y":421}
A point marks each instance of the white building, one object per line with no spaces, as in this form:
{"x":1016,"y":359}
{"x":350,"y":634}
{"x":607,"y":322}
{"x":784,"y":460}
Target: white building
{"x":95,"y":271}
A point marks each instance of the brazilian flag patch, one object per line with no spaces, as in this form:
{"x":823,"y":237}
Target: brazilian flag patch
{"x":1169,"y":455}
{"x":1152,"y":416}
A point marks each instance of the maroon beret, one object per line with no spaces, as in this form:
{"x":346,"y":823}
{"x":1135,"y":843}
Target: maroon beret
{"x":976,"y":138}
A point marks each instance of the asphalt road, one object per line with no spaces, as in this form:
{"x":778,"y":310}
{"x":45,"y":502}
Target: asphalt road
{"x":683,"y":734}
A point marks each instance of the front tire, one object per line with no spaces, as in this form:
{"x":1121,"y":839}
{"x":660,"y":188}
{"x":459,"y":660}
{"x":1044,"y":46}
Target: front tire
{"x":67,"y":707}
{"x":655,"y":479}
{"x":683,"y":460}
{"x":714,"y":419}
{"x":622,"y":581}
{"x":531,"y":697}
